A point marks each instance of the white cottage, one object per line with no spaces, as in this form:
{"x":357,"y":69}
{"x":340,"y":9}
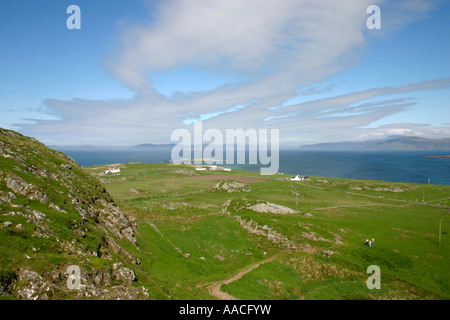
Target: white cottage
{"x":112,"y":170}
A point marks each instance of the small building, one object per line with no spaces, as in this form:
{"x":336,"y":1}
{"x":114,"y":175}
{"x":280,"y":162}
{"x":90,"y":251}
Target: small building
{"x":112,"y":170}
{"x":297,"y":178}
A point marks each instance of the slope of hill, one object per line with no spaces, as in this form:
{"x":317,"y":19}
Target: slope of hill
{"x":390,"y":143}
{"x":54,"y":215}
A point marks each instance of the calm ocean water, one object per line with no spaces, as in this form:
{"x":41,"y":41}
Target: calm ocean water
{"x":396,"y":166}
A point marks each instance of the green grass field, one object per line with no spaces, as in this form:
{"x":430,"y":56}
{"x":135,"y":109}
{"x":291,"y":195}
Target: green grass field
{"x":195,"y":237}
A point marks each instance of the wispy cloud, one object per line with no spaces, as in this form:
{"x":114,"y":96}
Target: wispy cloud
{"x":282,"y":48}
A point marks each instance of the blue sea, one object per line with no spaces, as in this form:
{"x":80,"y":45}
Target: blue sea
{"x":396,"y":166}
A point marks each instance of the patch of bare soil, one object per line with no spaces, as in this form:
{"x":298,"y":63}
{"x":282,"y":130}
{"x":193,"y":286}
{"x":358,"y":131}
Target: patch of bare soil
{"x":212,"y":177}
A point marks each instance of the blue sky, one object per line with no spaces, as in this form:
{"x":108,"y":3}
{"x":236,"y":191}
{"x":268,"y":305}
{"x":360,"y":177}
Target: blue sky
{"x":137,"y":70}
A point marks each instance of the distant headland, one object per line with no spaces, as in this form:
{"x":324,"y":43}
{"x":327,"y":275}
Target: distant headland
{"x":390,"y":143}
{"x":436,"y":156}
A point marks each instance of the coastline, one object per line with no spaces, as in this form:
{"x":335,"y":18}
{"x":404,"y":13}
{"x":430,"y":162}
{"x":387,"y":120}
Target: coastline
{"x":398,"y":166}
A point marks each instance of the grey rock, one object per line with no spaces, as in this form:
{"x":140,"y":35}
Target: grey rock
{"x":80,"y":233}
{"x":6,"y":224}
{"x":271,"y":208}
{"x":16,"y":184}
{"x":122,"y":273}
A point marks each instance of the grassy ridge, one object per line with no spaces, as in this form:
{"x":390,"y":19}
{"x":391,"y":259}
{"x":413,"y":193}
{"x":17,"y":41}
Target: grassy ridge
{"x":54,"y":214}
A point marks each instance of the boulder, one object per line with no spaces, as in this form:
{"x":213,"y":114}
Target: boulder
{"x":271,"y":208}
{"x":122,"y":273}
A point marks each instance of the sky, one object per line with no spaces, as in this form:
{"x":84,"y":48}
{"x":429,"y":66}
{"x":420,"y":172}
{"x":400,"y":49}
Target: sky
{"x":137,"y":70}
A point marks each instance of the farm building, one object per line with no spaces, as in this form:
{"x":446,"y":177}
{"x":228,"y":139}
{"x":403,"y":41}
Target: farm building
{"x":299,"y":178}
{"x":112,"y":170}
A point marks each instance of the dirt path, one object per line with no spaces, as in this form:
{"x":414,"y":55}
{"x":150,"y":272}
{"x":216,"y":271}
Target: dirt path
{"x":214,"y":287}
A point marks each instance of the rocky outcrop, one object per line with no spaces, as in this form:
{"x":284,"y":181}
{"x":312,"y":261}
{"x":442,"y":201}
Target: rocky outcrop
{"x":268,"y":232}
{"x":50,"y":206}
{"x":20,"y":186}
{"x":230,"y":186}
{"x":382,"y":189}
{"x":122,"y":273}
{"x":109,"y":284}
{"x":271,"y":208}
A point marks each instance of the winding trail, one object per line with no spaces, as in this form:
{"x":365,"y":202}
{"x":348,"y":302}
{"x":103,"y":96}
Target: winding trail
{"x":214,"y":287}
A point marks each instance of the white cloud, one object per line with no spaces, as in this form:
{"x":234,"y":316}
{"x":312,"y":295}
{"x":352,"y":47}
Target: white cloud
{"x":281,"y":46}
{"x":249,"y":36}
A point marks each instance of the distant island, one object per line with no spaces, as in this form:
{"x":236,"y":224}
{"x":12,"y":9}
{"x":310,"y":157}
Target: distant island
{"x":389,"y":143}
{"x":139,"y":147}
{"x":436,"y":156}
{"x":153,"y":146}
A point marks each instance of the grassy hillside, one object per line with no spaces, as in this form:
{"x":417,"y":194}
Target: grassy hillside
{"x":53,"y":214}
{"x":205,"y":239}
{"x":165,"y":231}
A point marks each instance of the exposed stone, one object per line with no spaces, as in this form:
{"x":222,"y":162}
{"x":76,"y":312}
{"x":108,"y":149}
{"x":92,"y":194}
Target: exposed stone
{"x":271,"y":208}
{"x":16,"y":184}
{"x":80,"y":233}
{"x":122,"y":273}
{"x":38,"y":215}
{"x":134,"y":191}
{"x":56,"y":208}
{"x":229,"y":186}
{"x":20,"y":186}
{"x":6,"y":224}
{"x":128,"y":233}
